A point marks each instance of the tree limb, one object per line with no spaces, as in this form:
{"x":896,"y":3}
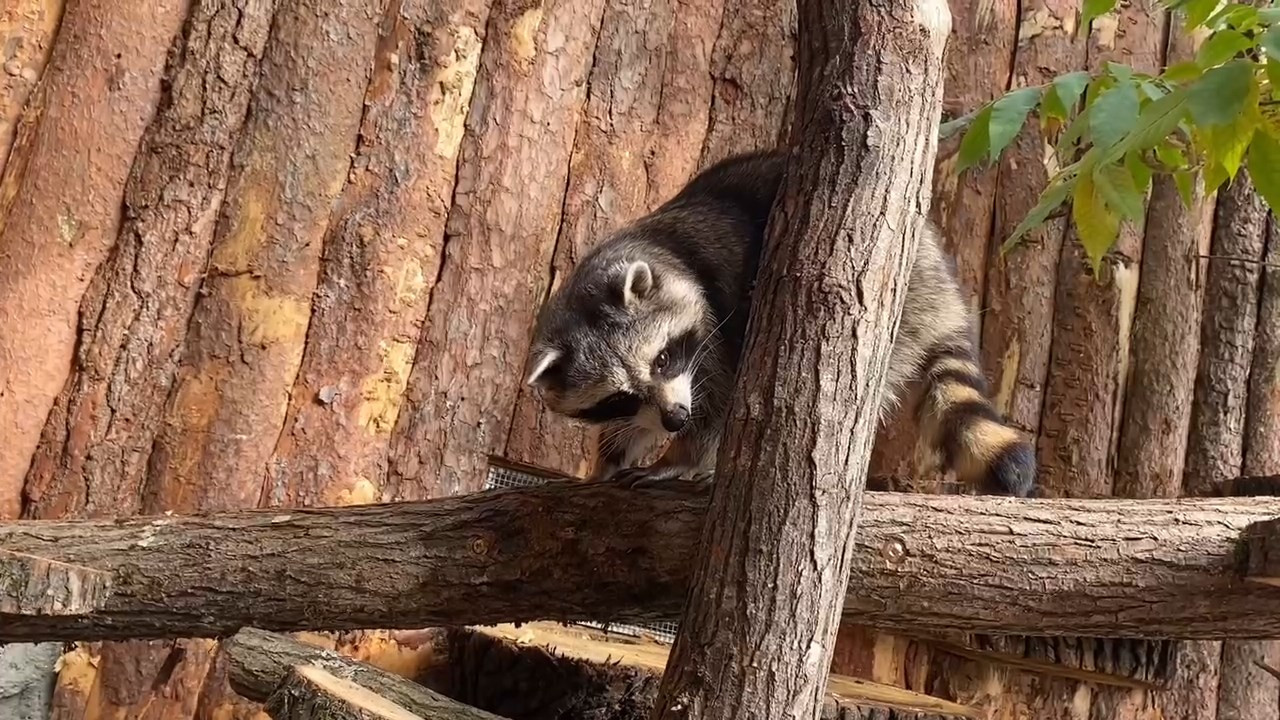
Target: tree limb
{"x":592,"y":551}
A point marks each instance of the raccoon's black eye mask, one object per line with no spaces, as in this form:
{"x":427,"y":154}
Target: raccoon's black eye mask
{"x":617,"y":406}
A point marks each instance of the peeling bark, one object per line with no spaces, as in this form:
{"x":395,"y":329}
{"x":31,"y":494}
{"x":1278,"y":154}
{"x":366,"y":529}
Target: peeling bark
{"x":499,"y":239}
{"x":60,"y":214}
{"x":382,"y":256}
{"x":1021,"y":285}
{"x":1165,"y":345}
{"x":27,"y":32}
{"x":92,"y":455}
{"x":247,"y":330}
{"x":753,"y":63}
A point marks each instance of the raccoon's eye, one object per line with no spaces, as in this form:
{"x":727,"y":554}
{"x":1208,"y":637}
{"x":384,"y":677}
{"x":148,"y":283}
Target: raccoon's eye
{"x":660,"y":362}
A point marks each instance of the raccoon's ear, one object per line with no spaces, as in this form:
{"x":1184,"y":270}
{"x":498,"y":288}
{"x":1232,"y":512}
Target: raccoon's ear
{"x":539,"y":364}
{"x":637,"y":282}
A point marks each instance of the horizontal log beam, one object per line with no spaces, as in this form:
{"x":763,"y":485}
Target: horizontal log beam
{"x":31,"y":585}
{"x":595,"y":551}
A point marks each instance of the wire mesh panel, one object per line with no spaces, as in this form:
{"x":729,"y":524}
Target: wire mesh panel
{"x":504,"y":474}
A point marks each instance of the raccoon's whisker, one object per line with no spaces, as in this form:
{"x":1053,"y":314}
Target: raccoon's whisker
{"x":698,"y":353}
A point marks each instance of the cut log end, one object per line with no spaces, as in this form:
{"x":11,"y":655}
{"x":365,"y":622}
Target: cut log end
{"x":36,"y":586}
{"x":310,"y":693}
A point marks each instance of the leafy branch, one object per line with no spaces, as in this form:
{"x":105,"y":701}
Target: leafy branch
{"x":1117,"y":128}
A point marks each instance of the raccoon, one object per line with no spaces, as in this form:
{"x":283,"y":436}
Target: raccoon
{"x":643,"y":339}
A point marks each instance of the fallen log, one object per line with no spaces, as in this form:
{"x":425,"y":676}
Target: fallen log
{"x":295,"y":681}
{"x":309,"y":693}
{"x":590,"y":551}
{"x":547,"y":673}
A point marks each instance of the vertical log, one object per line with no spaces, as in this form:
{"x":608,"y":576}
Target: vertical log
{"x":644,"y":61}
{"x":229,"y":401}
{"x":27,"y":31}
{"x":1021,"y":285}
{"x":92,"y":456}
{"x":1216,"y":444}
{"x":762,"y":615}
{"x":59,"y":213}
{"x":1215,"y":451}
{"x":1163,"y":355}
{"x":382,"y":256}
{"x":979,"y":66}
{"x":754,"y":70}
{"x":500,"y":235}
{"x":1248,"y":691}
{"x":1262,"y":416}
{"x":1090,"y":349}
{"x":1165,"y":342}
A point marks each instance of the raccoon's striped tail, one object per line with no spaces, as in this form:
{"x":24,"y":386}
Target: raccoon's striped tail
{"x":961,"y":429}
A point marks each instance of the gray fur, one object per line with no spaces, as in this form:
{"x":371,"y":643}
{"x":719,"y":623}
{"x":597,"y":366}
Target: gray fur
{"x":697,"y":255}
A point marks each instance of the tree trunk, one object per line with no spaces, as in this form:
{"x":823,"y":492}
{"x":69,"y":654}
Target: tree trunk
{"x":1118,"y":567}
{"x":59,"y":213}
{"x":775,"y":559}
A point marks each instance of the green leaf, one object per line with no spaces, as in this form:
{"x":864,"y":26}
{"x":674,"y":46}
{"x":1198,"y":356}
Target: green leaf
{"x":1155,"y":122}
{"x":1264,"y":169}
{"x":1114,"y":115}
{"x":1008,"y":114}
{"x":1171,"y":157}
{"x":1270,"y":41}
{"x":1122,"y":73}
{"x":1221,"y":47}
{"x":1183,"y":72}
{"x":1116,"y":186}
{"x":1198,"y":11}
{"x":1216,"y":98}
{"x":1096,"y":224}
{"x":1239,"y":16}
{"x":1073,"y":132}
{"x":974,"y":144}
{"x":1138,"y":170}
{"x":1093,"y":9}
{"x":1225,"y":145}
{"x":1273,"y":73}
{"x":1185,"y":181}
{"x":1214,"y":176}
{"x":1050,"y":199}
{"x":1068,"y":88}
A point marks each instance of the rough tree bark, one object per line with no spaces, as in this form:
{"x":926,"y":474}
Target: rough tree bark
{"x":929,"y":563}
{"x":513,"y":165}
{"x":382,"y":256}
{"x":1216,"y":444}
{"x":93,"y":451}
{"x":1163,"y":352}
{"x":27,"y":32}
{"x":1089,"y":353}
{"x":1021,"y":285}
{"x":776,"y":549}
{"x":59,"y":213}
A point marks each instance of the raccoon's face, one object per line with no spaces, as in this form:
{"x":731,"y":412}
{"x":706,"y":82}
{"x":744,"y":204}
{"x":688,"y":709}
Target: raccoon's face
{"x":621,"y":345}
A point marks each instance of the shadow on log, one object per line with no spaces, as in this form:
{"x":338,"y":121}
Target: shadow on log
{"x":487,"y":671}
{"x":589,"y":551}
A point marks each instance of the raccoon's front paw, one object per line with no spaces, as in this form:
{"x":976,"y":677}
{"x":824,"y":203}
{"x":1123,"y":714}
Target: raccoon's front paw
{"x":637,"y":478}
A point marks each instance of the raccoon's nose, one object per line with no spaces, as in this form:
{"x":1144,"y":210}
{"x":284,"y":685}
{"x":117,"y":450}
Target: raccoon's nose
{"x":675,"y":417}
